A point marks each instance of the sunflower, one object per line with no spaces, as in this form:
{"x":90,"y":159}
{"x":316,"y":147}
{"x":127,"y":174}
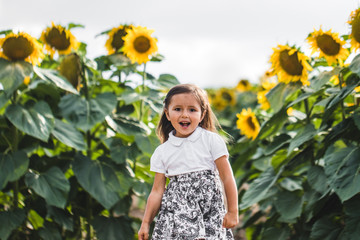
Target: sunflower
{"x":247,"y":123}
{"x":70,"y":68}
{"x":223,"y":97}
{"x":139,"y":45}
{"x":330,"y":46}
{"x":57,"y":38}
{"x":21,"y":46}
{"x":290,"y":65}
{"x":243,"y":85}
{"x":354,"y":21}
{"x":261,"y":96}
{"x":115,"y":41}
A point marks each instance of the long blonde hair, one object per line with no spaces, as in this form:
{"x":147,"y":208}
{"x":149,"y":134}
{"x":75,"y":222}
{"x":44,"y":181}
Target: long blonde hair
{"x":209,"y":121}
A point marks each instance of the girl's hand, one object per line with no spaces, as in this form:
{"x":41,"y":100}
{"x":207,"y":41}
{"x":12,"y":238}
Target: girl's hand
{"x":143,"y":233}
{"x":230,"y":220}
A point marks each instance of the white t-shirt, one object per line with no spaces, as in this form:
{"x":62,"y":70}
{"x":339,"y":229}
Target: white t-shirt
{"x":196,"y":152}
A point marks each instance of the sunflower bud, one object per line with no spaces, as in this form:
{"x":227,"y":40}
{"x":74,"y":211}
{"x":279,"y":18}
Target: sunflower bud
{"x":27,"y":80}
{"x":70,"y":68}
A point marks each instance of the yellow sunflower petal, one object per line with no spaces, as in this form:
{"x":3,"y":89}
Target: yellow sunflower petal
{"x":21,"y":46}
{"x":247,"y":123}
{"x":139,"y":45}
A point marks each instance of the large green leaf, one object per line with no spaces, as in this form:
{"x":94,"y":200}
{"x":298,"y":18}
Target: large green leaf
{"x":323,"y":78}
{"x":100,"y":180}
{"x":10,"y":220}
{"x":53,"y":77}
{"x":317,"y":179}
{"x":277,"y":95}
{"x":113,"y":228}
{"x":12,"y":74}
{"x":62,"y":217}
{"x":120,"y":151}
{"x":50,"y":231}
{"x":273,"y":125}
{"x":355,"y":65}
{"x":68,"y":135}
{"x":342,"y":169}
{"x":166,"y":80}
{"x":274,"y":233}
{"x":304,"y":135}
{"x":259,"y":188}
{"x":3,"y":98}
{"x":325,"y":229}
{"x":85,"y":114}
{"x":352,"y":218}
{"x":51,"y":185}
{"x":12,"y":167}
{"x":36,"y":120}
{"x":126,"y":125}
{"x":289,"y":205}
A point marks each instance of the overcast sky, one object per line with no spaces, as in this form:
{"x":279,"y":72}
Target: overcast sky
{"x":209,"y":43}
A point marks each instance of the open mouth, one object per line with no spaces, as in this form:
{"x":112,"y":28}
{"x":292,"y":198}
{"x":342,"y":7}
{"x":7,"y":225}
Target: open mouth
{"x":184,"y":124}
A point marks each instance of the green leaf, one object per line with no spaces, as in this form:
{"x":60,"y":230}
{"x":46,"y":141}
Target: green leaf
{"x":259,"y":188}
{"x":100,"y":180}
{"x":273,"y":125}
{"x":277,"y":143}
{"x":68,"y":135}
{"x":317,"y":179}
{"x":304,"y":135}
{"x":342,"y":168}
{"x":325,"y":229}
{"x":126,"y":125}
{"x":277,"y":95}
{"x":147,"y":144}
{"x":52,"y":76}
{"x":352,"y":219}
{"x":323,"y":78}
{"x":12,"y":74}
{"x":10,"y":220}
{"x":274,"y":233}
{"x":113,"y":228}
{"x":3,"y":99}
{"x":289,"y":205}
{"x":166,"y":81}
{"x":355,"y":65}
{"x":12,"y":167}
{"x":85,"y":114}
{"x":291,"y":184}
{"x":50,"y":231}
{"x":62,"y":217}
{"x":51,"y":185}
{"x":36,"y":120}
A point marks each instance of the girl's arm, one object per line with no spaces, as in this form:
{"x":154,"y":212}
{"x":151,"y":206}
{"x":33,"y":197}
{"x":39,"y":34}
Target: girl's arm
{"x":152,"y":205}
{"x":231,"y":218}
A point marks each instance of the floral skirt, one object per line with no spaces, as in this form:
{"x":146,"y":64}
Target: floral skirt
{"x":192,"y":208}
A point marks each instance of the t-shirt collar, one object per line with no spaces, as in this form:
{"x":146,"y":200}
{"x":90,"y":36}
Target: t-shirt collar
{"x":177,"y":141}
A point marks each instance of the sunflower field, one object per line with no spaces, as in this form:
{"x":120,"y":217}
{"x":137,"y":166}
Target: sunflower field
{"x":77,"y":135}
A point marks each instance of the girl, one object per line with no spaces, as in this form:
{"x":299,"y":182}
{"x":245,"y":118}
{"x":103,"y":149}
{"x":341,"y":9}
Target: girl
{"x":192,"y":155}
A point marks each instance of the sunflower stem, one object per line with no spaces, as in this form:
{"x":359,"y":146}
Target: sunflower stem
{"x":306,"y":103}
{"x":15,"y":142}
{"x":142,"y":90}
{"x":342,"y":101}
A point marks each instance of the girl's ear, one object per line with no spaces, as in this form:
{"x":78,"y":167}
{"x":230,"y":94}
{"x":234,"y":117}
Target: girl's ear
{"x":167,"y":114}
{"x":203,"y":115}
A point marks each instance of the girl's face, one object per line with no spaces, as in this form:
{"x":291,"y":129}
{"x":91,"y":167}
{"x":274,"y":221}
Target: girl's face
{"x":184,"y":113}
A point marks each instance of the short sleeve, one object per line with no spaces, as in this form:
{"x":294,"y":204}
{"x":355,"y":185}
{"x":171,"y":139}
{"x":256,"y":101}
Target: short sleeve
{"x":218,"y":147}
{"x":156,"y":163}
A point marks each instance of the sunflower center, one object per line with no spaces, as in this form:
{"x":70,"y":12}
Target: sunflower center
{"x":328,"y":45}
{"x":290,"y":63}
{"x":17,"y":48}
{"x":356,"y":28}
{"x":117,"y":41}
{"x":57,"y":39}
{"x":226,"y":96}
{"x":142,"y":44}
{"x":250,"y":123}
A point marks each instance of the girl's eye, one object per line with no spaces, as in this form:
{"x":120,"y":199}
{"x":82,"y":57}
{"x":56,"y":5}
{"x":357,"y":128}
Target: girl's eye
{"x":177,"y":109}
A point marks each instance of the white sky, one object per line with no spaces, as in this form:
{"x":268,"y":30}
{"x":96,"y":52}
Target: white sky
{"x":209,"y":43}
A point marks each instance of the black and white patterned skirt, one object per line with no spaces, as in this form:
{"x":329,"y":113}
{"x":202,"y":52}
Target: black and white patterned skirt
{"x":192,"y":208}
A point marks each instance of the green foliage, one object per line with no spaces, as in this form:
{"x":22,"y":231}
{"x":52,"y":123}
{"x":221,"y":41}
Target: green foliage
{"x":72,"y":159}
{"x":301,"y":180}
